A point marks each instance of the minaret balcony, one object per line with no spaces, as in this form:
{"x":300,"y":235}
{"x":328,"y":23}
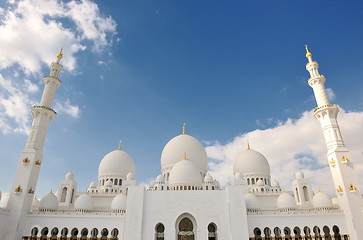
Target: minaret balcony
{"x":325,"y":106}
{"x":344,"y":160}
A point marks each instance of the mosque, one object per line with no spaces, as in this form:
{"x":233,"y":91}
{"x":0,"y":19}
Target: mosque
{"x":184,"y":202}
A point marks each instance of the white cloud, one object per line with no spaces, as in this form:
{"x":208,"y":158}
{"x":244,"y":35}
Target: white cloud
{"x":290,"y":146}
{"x":68,"y":108}
{"x":330,"y":93}
{"x":32,"y":32}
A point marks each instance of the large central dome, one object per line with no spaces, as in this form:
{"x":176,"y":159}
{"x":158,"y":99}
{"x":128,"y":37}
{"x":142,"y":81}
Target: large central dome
{"x":251,"y":162}
{"x":174,"y":150}
{"x":116,"y":163}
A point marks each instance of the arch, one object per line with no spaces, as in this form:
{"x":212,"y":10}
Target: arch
{"x":297,"y":195}
{"x":103,"y":182}
{"x":307,"y":233}
{"x":212,"y":231}
{"x":64,"y":194}
{"x":252,"y":181}
{"x":248,"y":181}
{"x":94,"y":233}
{"x":297,"y":233}
{"x":326,"y":231}
{"x":104,"y":233}
{"x":267,"y":233}
{"x":74,"y":234}
{"x":287,"y":233}
{"x":54,"y":233}
{"x":257,"y":233}
{"x":305,"y":192}
{"x":316,"y":231}
{"x":159,"y":231}
{"x":84,"y":233}
{"x":186,"y":229}
{"x":34,"y":233}
{"x":72,"y":195}
{"x":115,"y":182}
{"x":64,"y":233}
{"x":120,"y":182}
{"x":44,"y":233}
{"x":277,"y":232}
{"x":114,"y":234}
{"x":336,"y":232}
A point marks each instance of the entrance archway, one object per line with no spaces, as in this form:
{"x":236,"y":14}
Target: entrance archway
{"x":185,"y":229}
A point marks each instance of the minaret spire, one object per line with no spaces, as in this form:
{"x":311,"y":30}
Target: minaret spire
{"x":342,"y":170}
{"x":26,"y":177}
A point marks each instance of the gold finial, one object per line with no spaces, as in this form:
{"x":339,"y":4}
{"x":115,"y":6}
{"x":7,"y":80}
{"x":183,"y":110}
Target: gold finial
{"x":184,"y":129}
{"x":60,"y":54}
{"x":248,"y":145}
{"x":318,"y":189}
{"x":185,"y":156}
{"x":308,"y":54}
{"x":119,"y":145}
{"x":51,"y":191}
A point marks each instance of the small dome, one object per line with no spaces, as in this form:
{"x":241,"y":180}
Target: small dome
{"x":152,"y":183}
{"x":92,"y":185}
{"x":69,"y":176}
{"x":260,"y":182}
{"x":84,"y":202}
{"x":181,"y":144}
{"x":252,"y":201}
{"x":185,"y":173}
{"x":275,"y":183}
{"x":108,"y":183}
{"x":238,"y":176}
{"x":251,"y":162}
{"x":208,"y":178}
{"x":130,"y":176}
{"x":160,"y":179}
{"x":321,"y":200}
{"x":116,"y":163}
{"x":35,"y":204}
{"x":299,"y":175}
{"x":119,"y":202}
{"x":49,"y":202}
{"x":285,"y":201}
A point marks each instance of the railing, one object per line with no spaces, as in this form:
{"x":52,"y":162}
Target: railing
{"x":332,"y":237}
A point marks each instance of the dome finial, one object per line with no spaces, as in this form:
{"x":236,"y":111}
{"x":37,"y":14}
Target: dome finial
{"x":308,"y":54}
{"x":185,"y":156}
{"x":119,"y":145}
{"x":60,"y":54}
{"x":248,"y":145}
{"x":184,"y":129}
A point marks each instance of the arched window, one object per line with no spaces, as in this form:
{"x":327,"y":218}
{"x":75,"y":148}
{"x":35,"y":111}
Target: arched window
{"x":94,"y":233}
{"x":103,"y":182}
{"x":185,"y":187}
{"x":287,"y":233}
{"x":72,"y":195}
{"x":104,"y":234}
{"x":212,"y":231}
{"x":64,"y":233}
{"x":186,"y":230}
{"x":54,"y":233}
{"x":120,"y":182}
{"x":297,"y":194}
{"x":34,"y":233}
{"x":326,"y":231}
{"x":44,"y":233}
{"x":267,"y":233}
{"x":74,"y":234}
{"x":206,"y":188}
{"x":316,"y":230}
{"x":336,"y":233}
{"x":115,"y":182}
{"x":257,"y":233}
{"x":64,"y":194}
{"x":307,"y":233}
{"x":84,"y":234}
{"x":248,"y":181}
{"x":306,"y":195}
{"x":159,"y":231}
{"x":277,"y":232}
{"x":253,"y":181}
{"x":297,"y":233}
{"x":114,"y":234}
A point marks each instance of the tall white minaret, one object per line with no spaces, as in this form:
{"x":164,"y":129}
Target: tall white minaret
{"x":342,"y":170}
{"x":26,"y":176}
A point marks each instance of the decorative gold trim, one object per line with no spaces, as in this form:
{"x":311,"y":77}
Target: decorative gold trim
{"x":26,"y":160}
{"x":37,"y":162}
{"x":31,"y":191}
{"x":325,"y":106}
{"x":344,"y":159}
{"x":339,"y":190}
{"x":320,"y":75}
{"x":44,"y":107}
{"x":184,"y":129}
{"x":352,"y":188}
{"x":18,"y":189}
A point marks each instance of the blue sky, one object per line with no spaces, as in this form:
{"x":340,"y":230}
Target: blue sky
{"x":136,"y":70}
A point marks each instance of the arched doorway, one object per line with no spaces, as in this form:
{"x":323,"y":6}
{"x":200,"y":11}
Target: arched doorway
{"x":186,"y":229}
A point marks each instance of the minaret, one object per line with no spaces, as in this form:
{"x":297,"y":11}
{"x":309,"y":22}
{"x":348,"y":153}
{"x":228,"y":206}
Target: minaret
{"x":342,"y":170}
{"x":26,"y":177}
